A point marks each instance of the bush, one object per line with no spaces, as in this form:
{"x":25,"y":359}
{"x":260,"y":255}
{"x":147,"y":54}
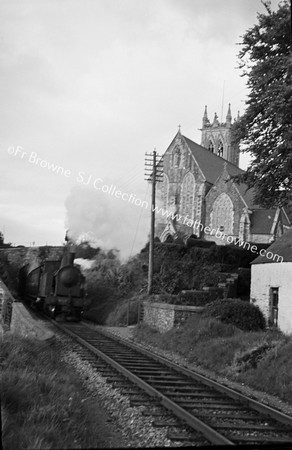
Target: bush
{"x":202,"y":243}
{"x":163,"y":298}
{"x":125,"y":313}
{"x":243,"y":315}
{"x":199,"y":298}
{"x":243,"y":286}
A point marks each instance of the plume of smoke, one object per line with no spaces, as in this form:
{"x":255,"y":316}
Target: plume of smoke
{"x":106,"y":221}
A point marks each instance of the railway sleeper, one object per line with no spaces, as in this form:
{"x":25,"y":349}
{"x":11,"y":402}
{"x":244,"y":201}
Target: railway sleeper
{"x":130,"y":391}
{"x":249,"y":427}
{"x":220,"y":406}
{"x":189,"y":397}
{"x":176,"y":436}
{"x":262,"y":440}
{"x":144,"y":402}
{"x":217,"y":401}
{"x":154,"y":413}
{"x":224,"y":415}
{"x":113,"y":379}
{"x":165,"y":423}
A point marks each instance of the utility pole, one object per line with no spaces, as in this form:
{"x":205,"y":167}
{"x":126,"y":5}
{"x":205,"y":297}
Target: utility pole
{"x":154,"y":173}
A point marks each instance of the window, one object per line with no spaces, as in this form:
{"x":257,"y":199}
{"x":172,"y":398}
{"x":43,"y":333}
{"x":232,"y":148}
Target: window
{"x":164,"y":191}
{"x":244,"y":227}
{"x":222,"y":214}
{"x":273,"y":318}
{"x":220,"y":149}
{"x":188,"y":195}
{"x":211,"y":147}
{"x":176,"y":157}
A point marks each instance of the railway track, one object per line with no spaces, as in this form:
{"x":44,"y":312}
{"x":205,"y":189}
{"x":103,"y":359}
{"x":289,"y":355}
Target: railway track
{"x":195,"y":403}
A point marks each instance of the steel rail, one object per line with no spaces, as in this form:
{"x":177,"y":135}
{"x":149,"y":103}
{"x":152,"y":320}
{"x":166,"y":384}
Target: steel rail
{"x":253,"y":404}
{"x":86,"y":335}
{"x":195,"y":423}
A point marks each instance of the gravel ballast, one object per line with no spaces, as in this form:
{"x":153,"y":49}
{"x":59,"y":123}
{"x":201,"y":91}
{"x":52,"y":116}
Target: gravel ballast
{"x":136,"y":429}
{"x":263,"y":397}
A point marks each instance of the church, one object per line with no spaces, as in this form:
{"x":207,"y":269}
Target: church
{"x":197,"y":193}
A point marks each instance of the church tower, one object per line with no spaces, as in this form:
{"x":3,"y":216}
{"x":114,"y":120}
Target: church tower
{"x":217,"y":137}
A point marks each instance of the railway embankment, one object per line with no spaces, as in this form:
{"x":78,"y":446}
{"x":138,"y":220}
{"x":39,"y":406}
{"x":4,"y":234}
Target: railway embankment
{"x":17,"y":318}
{"x":44,"y":403}
{"x":25,"y":323}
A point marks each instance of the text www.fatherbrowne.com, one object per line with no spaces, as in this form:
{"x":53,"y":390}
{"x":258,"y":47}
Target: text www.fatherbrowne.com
{"x":97,"y":184}
{"x":198,"y":226}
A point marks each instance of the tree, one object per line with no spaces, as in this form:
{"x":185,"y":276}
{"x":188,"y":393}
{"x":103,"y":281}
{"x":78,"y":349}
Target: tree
{"x":265,"y":129}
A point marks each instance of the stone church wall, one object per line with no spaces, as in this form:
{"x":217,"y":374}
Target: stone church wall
{"x":176,"y":169}
{"x":238,"y":205}
{"x":261,"y":238}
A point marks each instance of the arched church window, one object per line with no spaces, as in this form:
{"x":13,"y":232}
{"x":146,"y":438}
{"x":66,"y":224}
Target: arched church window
{"x":222,"y":214}
{"x":188,"y":196}
{"x":220,"y":149}
{"x":185,"y":159}
{"x":244,"y":227}
{"x":246,"y":230}
{"x":176,"y":158}
{"x":211,"y":146}
{"x":199,"y":202}
{"x":165,"y":190}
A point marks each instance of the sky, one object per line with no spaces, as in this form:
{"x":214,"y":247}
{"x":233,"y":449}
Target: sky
{"x":87,"y":88}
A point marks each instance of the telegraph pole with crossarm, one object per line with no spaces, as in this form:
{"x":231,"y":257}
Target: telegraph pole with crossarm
{"x":153,"y":173}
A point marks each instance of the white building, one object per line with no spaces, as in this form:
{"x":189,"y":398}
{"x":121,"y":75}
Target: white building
{"x":271,"y":283}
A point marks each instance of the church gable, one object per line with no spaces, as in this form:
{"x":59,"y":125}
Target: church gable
{"x":183,"y":187}
{"x":198,"y":187}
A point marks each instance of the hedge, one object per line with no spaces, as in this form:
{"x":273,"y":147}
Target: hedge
{"x":243,"y":315}
{"x":199,"y":298}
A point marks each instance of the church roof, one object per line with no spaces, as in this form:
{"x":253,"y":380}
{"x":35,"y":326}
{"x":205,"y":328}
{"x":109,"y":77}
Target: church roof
{"x":262,"y":221}
{"x":212,"y":167}
{"x":211,"y":164}
{"x":282,"y":247}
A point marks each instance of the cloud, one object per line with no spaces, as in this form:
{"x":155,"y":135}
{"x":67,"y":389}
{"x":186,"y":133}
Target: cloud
{"x":93,"y":85}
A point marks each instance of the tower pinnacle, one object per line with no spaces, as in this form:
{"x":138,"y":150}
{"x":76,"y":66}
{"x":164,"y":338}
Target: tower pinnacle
{"x":228,"y":117}
{"x":205,"y":117}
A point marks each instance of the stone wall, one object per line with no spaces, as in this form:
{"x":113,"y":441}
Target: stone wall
{"x":18,"y":319}
{"x":12,"y":259}
{"x":19,"y":256}
{"x":230,"y":189}
{"x":6,"y":301}
{"x":175,"y":172}
{"x":163,"y":316}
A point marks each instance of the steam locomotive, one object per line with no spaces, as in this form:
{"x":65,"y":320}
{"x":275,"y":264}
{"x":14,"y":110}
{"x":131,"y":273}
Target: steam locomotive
{"x":57,"y":287}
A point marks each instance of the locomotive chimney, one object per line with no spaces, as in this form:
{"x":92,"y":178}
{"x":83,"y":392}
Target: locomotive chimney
{"x":71,"y":255}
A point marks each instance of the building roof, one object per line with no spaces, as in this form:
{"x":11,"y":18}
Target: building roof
{"x":282,"y":247}
{"x":262,"y":221}
{"x":211,"y":164}
{"x":212,"y":167}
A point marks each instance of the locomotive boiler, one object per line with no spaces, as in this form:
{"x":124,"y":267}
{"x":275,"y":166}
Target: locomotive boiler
{"x":57,"y":287}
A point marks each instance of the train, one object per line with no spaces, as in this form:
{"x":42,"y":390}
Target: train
{"x":56,"y":287}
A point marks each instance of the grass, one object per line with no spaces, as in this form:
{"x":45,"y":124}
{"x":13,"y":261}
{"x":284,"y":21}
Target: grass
{"x":43,"y":401}
{"x":228,"y":351}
